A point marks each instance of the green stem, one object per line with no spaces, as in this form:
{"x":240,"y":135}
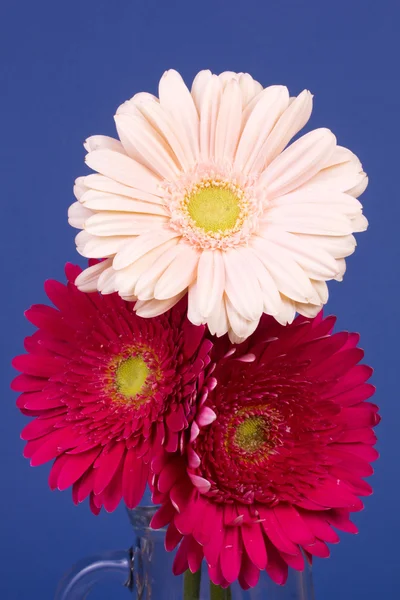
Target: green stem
{"x":219,"y":593}
{"x":191,"y":585}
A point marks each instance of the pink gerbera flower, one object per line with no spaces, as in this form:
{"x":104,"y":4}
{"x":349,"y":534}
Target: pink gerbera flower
{"x":108,"y":390}
{"x":276,"y":458}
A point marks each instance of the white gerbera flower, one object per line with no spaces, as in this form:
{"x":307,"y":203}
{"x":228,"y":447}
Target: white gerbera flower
{"x":201,"y":195}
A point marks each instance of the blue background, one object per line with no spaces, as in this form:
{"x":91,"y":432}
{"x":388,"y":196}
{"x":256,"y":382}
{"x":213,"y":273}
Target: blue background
{"x":65,"y":68}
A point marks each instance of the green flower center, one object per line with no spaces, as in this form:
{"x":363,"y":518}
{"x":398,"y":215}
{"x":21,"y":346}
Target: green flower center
{"x":214,"y":208}
{"x":130,"y":376}
{"x":251,"y":434}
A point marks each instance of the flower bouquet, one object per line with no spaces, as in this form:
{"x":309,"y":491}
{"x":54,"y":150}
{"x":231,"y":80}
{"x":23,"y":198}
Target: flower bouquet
{"x":175,"y":360}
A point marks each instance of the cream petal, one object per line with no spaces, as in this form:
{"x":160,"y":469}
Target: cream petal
{"x":338,"y":247}
{"x":241,"y":285}
{"x":82,"y":238}
{"x":123,"y":169}
{"x":110,"y":223}
{"x":99,"y":201}
{"x":314,"y":219}
{"x":177,"y":100}
{"x":322,"y":290}
{"x":78,"y":214}
{"x":287,"y":312}
{"x":79,"y":187}
{"x":229,"y":122}
{"x":228,"y":76}
{"x":314,"y":260}
{"x":171,"y":131}
{"x":269,"y":291}
{"x":359,"y":223}
{"x":179,"y":274}
{"x":198,"y":86}
{"x":328,"y":198}
{"x":291,"y":122}
{"x":105,"y":184}
{"x":131,"y":107}
{"x":271,"y":104}
{"x":360,"y":187}
{"x":87,"y":280}
{"x":289,"y":277}
{"x":343,"y":172}
{"x":218,"y":320}
{"x":341,"y":263}
{"x":193,"y":313}
{"x":308,"y":310}
{"x":128,"y":278}
{"x":209,"y":109}
{"x":147,"y":282}
{"x":152,"y":148}
{"x":135,"y":248}
{"x":101,"y":247}
{"x":298,"y":163}
{"x":240,"y":328}
{"x":106,"y":283}
{"x":210,"y":280}
{"x":103,"y":142}
{"x":249,"y":87}
{"x":154,"y":308}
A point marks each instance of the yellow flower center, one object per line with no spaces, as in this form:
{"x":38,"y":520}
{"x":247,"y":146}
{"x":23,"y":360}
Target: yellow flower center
{"x":130,"y":376}
{"x":215,"y":206}
{"x":251,"y":434}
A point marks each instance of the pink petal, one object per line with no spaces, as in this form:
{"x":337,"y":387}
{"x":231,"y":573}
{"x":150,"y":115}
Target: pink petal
{"x":106,"y":465}
{"x":253,"y":540}
{"x":134,"y":479}
{"x":75,"y":467}
{"x":231,"y":554}
{"x":293,"y":524}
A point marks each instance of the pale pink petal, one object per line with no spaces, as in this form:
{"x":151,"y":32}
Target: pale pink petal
{"x":123,"y":169}
{"x":106,"y":283}
{"x":95,"y":200}
{"x":78,"y":214}
{"x":111,"y":223}
{"x":211,"y":281}
{"x":321,"y":195}
{"x":338,"y":247}
{"x":249,"y":87}
{"x":342,"y":172}
{"x":87,"y":280}
{"x":105,"y":184}
{"x":200,"y":483}
{"x":132,"y":106}
{"x":289,"y":277}
{"x":311,"y":218}
{"x":171,"y":131}
{"x":298,"y":163}
{"x":291,"y":122}
{"x":316,"y":262}
{"x":103,"y":142}
{"x":194,"y":314}
{"x":271,"y":103}
{"x":179,"y":274}
{"x":209,"y":109}
{"x":322,"y":290}
{"x":79,"y":187}
{"x":308,"y":310}
{"x":100,"y":247}
{"x":198,"y":86}
{"x":288,"y":311}
{"x":218,"y":320}
{"x":154,"y":308}
{"x":229,"y":122}
{"x":177,"y":100}
{"x":240,"y":328}
{"x":241,"y":285}
{"x":138,"y":246}
{"x":128,"y":278}
{"x":359,"y":223}
{"x":269,"y":290}
{"x":145,"y":285}
{"x":151,"y":147}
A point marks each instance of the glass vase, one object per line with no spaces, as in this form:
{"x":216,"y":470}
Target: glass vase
{"x":146,"y":571}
